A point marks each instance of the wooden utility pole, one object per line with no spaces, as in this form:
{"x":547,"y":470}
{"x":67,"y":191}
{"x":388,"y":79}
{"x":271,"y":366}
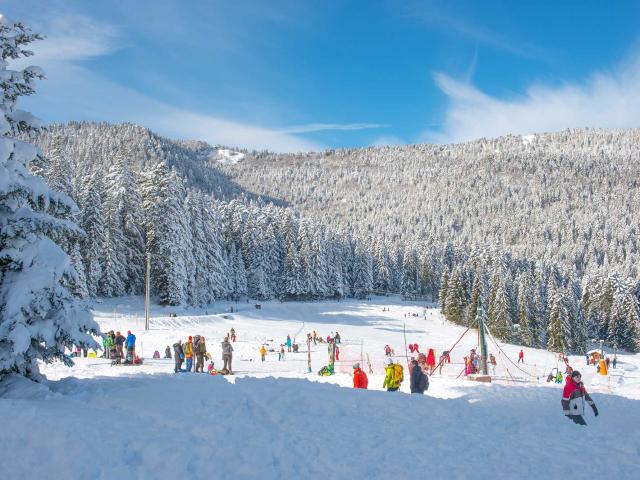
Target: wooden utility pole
{"x":147,"y":304}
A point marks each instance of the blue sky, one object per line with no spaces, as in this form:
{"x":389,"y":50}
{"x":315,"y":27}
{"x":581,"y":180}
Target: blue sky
{"x":300,"y":75}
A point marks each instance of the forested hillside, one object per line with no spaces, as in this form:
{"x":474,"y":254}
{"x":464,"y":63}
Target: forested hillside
{"x":570,"y":197}
{"x":470,"y":225}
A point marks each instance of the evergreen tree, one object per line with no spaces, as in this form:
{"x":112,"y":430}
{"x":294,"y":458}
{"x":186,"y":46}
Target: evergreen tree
{"x":559,"y":324}
{"x":39,"y":317}
{"x":455,"y":303}
{"x":444,"y":285}
{"x":499,"y":316}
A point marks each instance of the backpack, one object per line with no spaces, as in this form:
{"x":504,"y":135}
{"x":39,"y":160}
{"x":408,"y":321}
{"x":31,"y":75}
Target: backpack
{"x":423,"y":383}
{"x":398,"y":374}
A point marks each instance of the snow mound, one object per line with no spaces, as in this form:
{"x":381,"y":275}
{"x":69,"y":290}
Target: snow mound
{"x":161,"y":426}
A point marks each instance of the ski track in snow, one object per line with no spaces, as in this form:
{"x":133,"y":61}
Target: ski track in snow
{"x":275,"y":420}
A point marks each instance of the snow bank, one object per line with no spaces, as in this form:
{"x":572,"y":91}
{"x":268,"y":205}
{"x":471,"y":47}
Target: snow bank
{"x":168,"y":426}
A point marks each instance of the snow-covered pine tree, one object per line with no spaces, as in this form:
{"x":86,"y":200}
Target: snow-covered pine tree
{"x":444,"y":285}
{"x":410,"y":285}
{"x":455,"y":301}
{"x":559,"y":335}
{"x":125,"y":223}
{"x":94,"y":243}
{"x":476,"y":299}
{"x":168,"y":234}
{"x":39,"y":317}
{"x":499,"y":317}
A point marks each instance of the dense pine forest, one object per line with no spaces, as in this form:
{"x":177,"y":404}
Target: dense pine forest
{"x":539,"y":232}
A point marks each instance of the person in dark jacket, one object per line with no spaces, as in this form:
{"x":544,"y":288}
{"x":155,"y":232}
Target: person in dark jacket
{"x":227,"y":356}
{"x":200,"y":350}
{"x":419,"y":381}
{"x":119,"y":341}
{"x":167,"y":352}
{"x":574,"y":397}
{"x":178,"y":354}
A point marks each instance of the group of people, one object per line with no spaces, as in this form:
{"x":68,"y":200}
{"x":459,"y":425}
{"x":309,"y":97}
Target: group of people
{"x":114,"y":345}
{"x":196,"y":347}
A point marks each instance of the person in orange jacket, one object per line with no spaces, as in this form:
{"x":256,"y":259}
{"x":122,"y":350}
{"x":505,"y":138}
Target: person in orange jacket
{"x":360,"y":379}
{"x":263,"y":352}
{"x":188,"y":353}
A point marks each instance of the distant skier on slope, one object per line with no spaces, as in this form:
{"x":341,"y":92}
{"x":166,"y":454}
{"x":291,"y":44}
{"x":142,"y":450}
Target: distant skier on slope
{"x":360,"y":379}
{"x":288,"y":343}
{"x":521,"y":356}
{"x":573,"y":397}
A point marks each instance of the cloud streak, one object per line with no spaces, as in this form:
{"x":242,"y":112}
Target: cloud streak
{"x":319,"y":127}
{"x":605,"y":99}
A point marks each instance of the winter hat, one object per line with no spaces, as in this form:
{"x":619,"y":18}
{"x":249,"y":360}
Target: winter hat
{"x":356,"y":365}
{"x":190,"y":338}
{"x":575,"y":373}
{"x":129,"y":332}
{"x":388,"y":361}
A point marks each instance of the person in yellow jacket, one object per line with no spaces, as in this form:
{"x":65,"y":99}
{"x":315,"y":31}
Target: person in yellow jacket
{"x":188,"y":353}
{"x":263,"y":352}
{"x":393,"y":376}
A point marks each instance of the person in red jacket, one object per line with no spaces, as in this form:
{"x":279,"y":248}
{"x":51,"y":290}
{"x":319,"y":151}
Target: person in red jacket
{"x":360,"y":379}
{"x":574,"y":396}
{"x":521,"y":356}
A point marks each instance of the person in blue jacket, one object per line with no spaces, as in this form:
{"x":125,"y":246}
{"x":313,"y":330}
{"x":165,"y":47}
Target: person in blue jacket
{"x":131,"y":345}
{"x":288,"y":343}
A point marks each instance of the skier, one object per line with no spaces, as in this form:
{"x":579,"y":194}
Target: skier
{"x":418,"y":381}
{"x":178,"y":354}
{"x":607,"y":362}
{"x":281,"y":353}
{"x":201,"y":350}
{"x":415,"y":348}
{"x":387,"y":350}
{"x":521,"y":356}
{"x":188,"y":353}
{"x":615,"y":361}
{"x":156,"y":354}
{"x":337,"y":338}
{"x":263,"y":353}
{"x":227,"y":356}
{"x":431,"y":360}
{"x":167,"y":352}
{"x":411,"y":347}
{"x":573,"y":397}
{"x":233,"y":335}
{"x":315,"y":337}
{"x":360,"y":379}
{"x":110,"y":344}
{"x":288,"y":343}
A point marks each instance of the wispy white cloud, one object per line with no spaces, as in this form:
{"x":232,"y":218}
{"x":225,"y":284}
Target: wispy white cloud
{"x":73,"y":91}
{"x":605,"y":99}
{"x":387,"y":140}
{"x":318,"y":127}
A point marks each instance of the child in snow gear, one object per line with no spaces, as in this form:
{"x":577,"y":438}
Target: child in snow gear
{"x":521,"y":357}
{"x":211,"y":369}
{"x":201,"y":350}
{"x":288,"y":343}
{"x":360,"y":379}
{"x":493,"y":363}
{"x":263,"y":353}
{"x":178,"y":354}
{"x":573,"y":397}
{"x":315,"y":337}
{"x":232,"y":333}
{"x":167,"y":352}
{"x":336,"y":338}
{"x":326,"y":371}
{"x":393,"y":376}
{"x":188,"y":353}
{"x":227,"y":355}
{"x":418,"y":381}
{"x":156,"y":354}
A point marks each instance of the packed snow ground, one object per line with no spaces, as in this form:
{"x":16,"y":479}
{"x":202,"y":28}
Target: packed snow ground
{"x":147,"y":422}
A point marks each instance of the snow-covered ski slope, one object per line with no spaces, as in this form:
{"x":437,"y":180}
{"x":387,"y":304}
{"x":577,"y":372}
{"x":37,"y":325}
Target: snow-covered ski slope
{"x":270,"y":421}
